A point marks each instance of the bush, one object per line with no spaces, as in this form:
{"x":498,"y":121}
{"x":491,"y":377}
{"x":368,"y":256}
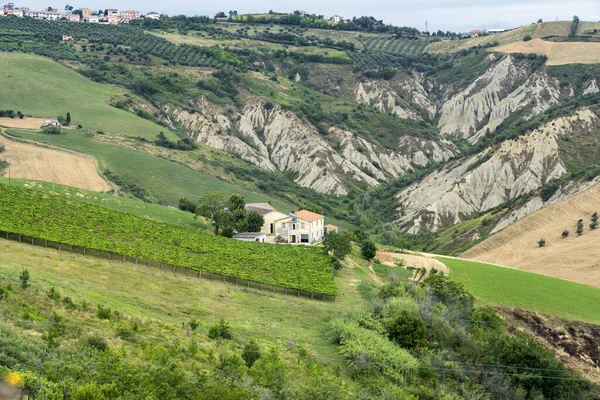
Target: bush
{"x":565,"y":234}
{"x":24,"y":278}
{"x":2,"y":148}
{"x":527,"y":38}
{"x":541,"y":243}
{"x":221,"y":330}
{"x":97,"y":342}
{"x":251,"y":353}
{"x":52,"y":130}
{"x":103,"y":312}
{"x":580,"y":227}
{"x":407,"y":329}
{"x":368,"y":249}
{"x":54,"y":294}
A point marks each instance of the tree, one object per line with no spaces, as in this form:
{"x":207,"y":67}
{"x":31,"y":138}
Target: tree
{"x":220,"y":330}
{"x":68,"y":119}
{"x":269,"y":371}
{"x":255,"y":222}
{"x":527,"y":38}
{"x":565,"y":234}
{"x":539,"y":21}
{"x":236,"y":205}
{"x":214,"y":207}
{"x":251,"y":353}
{"x":338,"y":243}
{"x":580,"y":227}
{"x":52,"y":130}
{"x":541,"y":243}
{"x":368,"y":249}
{"x":24,"y":278}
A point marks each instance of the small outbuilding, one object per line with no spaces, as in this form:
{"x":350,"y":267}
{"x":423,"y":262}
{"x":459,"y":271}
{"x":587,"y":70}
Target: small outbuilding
{"x":251,"y":237}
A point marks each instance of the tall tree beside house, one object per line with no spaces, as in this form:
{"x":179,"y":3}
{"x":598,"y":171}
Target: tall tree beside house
{"x":338,"y":243}
{"x":237,"y":209}
{"x":368,"y":250}
{"x":255,"y":222}
{"x":214,"y":207}
{"x":68,"y":118}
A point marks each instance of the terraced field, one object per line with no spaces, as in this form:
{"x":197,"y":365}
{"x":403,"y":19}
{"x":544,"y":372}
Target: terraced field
{"x":398,"y":46}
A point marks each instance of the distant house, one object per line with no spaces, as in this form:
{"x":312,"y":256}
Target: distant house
{"x":302,"y":12}
{"x":112,"y":20}
{"x":66,"y":38}
{"x":251,"y":237}
{"x":331,"y":228}
{"x":94,"y":19}
{"x":112,"y":12}
{"x":269,"y":214}
{"x":336,"y":19}
{"x":301,"y":227}
{"x":73,"y":18}
{"x":51,"y":122}
{"x":152,"y":15}
{"x":85,"y":14}
{"x":124,"y":20}
{"x":492,"y":31}
{"x":130,"y":14}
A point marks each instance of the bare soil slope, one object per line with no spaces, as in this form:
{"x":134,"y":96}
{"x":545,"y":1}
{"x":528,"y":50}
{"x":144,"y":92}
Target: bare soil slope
{"x":558,"y":53}
{"x":576,"y":258}
{"x":35,"y":162}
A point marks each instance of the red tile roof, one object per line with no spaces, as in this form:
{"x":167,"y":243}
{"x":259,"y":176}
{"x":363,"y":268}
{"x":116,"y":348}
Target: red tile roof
{"x":308,"y":216}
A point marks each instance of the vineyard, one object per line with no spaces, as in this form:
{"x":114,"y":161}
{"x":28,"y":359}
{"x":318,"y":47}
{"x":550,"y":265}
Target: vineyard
{"x":405,"y":45}
{"x":55,"y":218}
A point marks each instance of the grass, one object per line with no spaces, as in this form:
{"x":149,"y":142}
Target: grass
{"x":510,"y":287}
{"x":41,"y":87}
{"x":157,"y":212}
{"x":166,"y":180}
{"x":163,"y":300}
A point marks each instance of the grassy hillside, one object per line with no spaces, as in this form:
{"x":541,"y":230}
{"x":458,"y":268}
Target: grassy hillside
{"x":58,"y":219}
{"x":497,"y":285}
{"x":44,"y":88}
{"x":574,"y":258}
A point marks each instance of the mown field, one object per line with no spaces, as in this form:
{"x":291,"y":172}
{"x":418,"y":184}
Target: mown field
{"x":501,"y":286}
{"x":55,"y":218}
{"x":41,"y":87}
{"x":408,"y":46}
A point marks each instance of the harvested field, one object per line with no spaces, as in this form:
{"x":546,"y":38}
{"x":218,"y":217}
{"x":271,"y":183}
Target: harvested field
{"x":34,"y":162}
{"x":416,"y":260}
{"x":558,"y":53}
{"x":576,"y":258}
{"x":25,"y":123}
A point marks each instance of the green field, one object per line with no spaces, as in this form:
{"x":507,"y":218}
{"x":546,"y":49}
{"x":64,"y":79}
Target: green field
{"x":168,"y":215}
{"x":41,"y":87}
{"x":64,"y":220}
{"x":510,"y":287}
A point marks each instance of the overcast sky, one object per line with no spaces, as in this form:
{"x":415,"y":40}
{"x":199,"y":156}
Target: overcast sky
{"x":454,"y":15}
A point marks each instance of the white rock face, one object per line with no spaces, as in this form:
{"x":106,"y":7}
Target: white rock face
{"x":592,"y":88}
{"x":485,"y":180}
{"x":461,"y":115}
{"x":536,"y":95}
{"x":379,"y":95}
{"x":278,"y":139}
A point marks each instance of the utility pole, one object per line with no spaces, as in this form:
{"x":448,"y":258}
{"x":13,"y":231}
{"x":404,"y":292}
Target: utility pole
{"x":426,"y":26}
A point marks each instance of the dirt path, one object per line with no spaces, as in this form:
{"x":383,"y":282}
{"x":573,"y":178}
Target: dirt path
{"x":575,"y":258}
{"x":370,"y":271}
{"x":34,"y":162}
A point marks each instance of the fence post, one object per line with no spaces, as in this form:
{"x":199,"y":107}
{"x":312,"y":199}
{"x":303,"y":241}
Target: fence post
{"x":236,"y":281}
{"x":71,"y":249}
{"x":311,"y":295}
{"x":109,"y":254}
{"x":20,"y":237}
{"x":32,"y":241}
{"x":59,"y":246}
{"x":298,"y":293}
{"x":123,"y":257}
{"x":223,"y":278}
{"x":84,"y":251}
{"x":6,"y":235}
{"x":136,"y":260}
{"x":286,"y":291}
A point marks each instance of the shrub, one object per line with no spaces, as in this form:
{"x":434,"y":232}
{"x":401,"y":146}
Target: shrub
{"x":2,"y":148}
{"x":97,"y":342}
{"x":368,"y":249}
{"x":527,"y":38}
{"x":336,"y":263}
{"x":593,"y":225}
{"x":220,"y":330}
{"x":251,"y":353}
{"x":565,"y":234}
{"x":407,"y":329}
{"x":103,"y":312}
{"x":54,"y":294}
{"x":52,"y":130}
{"x":541,"y":243}
{"x":580,"y":227}
{"x":24,"y":278}
{"x":193,"y":324}
{"x":69,"y":303}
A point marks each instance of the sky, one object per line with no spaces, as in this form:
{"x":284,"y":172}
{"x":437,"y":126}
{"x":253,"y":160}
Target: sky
{"x":453,"y":15}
